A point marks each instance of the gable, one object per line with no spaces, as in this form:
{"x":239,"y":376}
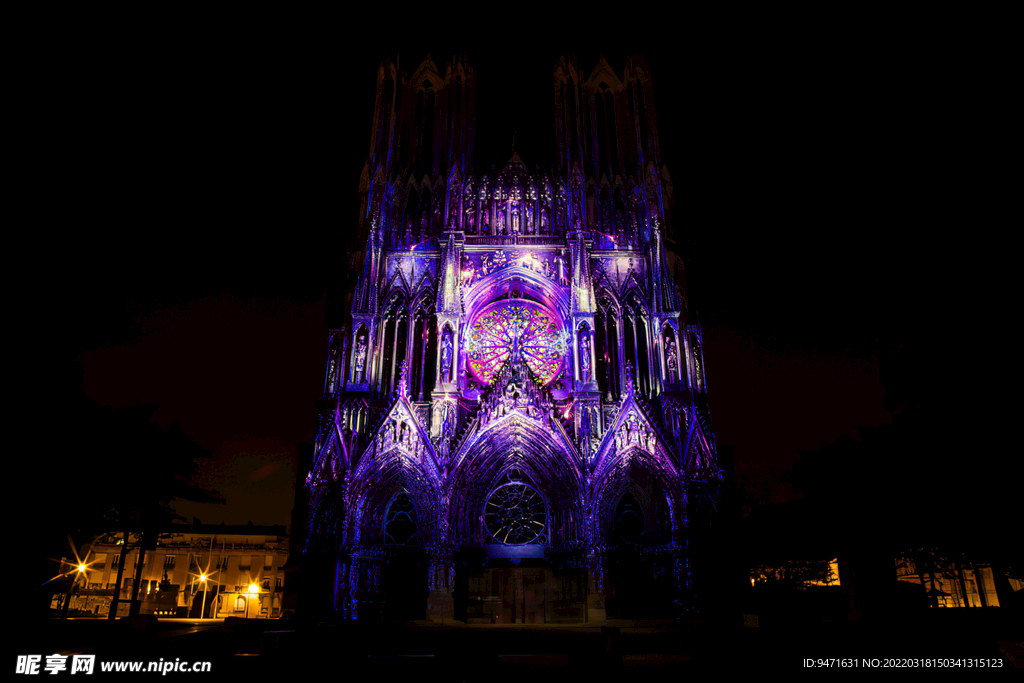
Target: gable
{"x":631,"y":430}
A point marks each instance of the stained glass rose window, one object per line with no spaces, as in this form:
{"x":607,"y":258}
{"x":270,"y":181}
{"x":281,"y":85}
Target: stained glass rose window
{"x":510,"y":326}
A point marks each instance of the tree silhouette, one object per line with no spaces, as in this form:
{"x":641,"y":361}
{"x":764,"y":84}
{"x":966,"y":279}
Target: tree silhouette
{"x":923,"y":486}
{"x":114,"y":469}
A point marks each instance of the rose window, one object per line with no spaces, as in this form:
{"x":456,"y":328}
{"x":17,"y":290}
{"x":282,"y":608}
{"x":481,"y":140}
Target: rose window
{"x":518,"y":326}
{"x":515,"y":514}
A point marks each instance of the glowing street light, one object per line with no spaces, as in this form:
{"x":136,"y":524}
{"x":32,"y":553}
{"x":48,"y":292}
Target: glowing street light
{"x":254,"y":589}
{"x":205,"y":577}
{"x":77,"y":570}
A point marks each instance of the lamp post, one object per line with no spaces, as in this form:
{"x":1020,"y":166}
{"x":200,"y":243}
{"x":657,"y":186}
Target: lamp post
{"x":202,"y":606}
{"x":78,"y":571}
{"x":85,"y":581}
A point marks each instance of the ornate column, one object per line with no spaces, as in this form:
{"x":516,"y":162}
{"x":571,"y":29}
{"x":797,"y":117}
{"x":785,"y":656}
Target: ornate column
{"x":686,"y":360}
{"x":680,"y":359}
{"x":596,"y":610}
{"x":633,"y":320}
{"x":334,"y":358}
{"x":652,"y":349}
{"x":662,"y":361}
{"x":364,"y":309}
{"x":621,"y":340}
{"x":442,"y":570}
{"x":378,"y":356}
{"x":425,"y":334}
{"x":394,"y":352}
{"x":449,"y":314}
{"x":607,"y":362}
{"x":576,"y":375}
{"x":410,"y":339}
{"x":681,"y":569}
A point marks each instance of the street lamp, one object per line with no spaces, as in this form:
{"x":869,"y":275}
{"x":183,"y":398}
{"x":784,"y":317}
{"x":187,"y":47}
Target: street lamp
{"x":202,"y":605}
{"x":254,"y":589}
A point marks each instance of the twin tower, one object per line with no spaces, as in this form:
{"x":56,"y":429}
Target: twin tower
{"x":514,"y":423}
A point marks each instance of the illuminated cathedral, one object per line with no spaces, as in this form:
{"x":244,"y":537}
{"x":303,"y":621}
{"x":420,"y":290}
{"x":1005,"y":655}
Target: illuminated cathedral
{"x":514,"y":426}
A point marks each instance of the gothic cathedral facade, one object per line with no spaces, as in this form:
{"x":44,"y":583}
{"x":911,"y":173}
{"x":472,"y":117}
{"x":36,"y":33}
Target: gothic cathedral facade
{"x":514,"y":425}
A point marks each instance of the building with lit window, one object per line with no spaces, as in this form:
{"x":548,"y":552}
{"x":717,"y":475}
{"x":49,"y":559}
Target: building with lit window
{"x":514,"y":425}
{"x":197,"y":571}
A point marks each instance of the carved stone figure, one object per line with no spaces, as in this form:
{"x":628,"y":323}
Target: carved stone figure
{"x":584,"y":359}
{"x":360,"y":358}
{"x":446,"y":356}
{"x":670,"y":360}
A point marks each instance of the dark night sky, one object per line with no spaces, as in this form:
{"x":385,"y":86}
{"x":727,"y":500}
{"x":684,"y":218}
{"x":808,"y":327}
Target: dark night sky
{"x":214,"y":191}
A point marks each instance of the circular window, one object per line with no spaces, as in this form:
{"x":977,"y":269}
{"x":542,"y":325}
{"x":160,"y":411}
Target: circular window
{"x":515,"y":514}
{"x":515,"y":326}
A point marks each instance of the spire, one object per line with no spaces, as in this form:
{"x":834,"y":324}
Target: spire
{"x":450,"y":295}
{"x":663,"y":286}
{"x":629,"y":378}
{"x":365,"y":298}
{"x":582,"y":287}
{"x":657,"y":265}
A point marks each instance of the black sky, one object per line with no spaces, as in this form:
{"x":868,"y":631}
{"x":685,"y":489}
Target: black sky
{"x":212,"y":191}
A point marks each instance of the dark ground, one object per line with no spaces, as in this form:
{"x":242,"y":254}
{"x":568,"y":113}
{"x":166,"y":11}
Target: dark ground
{"x":461,"y":653}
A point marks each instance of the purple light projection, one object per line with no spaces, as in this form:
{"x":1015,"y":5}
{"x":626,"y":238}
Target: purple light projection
{"x":519,"y":313}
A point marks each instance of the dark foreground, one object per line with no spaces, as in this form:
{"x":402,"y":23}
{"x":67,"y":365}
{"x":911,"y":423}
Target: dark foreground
{"x":467,"y":653}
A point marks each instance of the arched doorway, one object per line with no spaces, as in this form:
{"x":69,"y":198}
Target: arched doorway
{"x":403,"y":578}
{"x":638,"y":571}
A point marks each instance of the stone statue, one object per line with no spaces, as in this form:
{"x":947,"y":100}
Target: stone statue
{"x":585,"y":359}
{"x":360,"y":358}
{"x":446,"y":357}
{"x":670,"y":360}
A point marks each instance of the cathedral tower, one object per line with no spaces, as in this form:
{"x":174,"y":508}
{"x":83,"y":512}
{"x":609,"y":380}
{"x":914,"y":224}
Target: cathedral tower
{"x":514,"y":417}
